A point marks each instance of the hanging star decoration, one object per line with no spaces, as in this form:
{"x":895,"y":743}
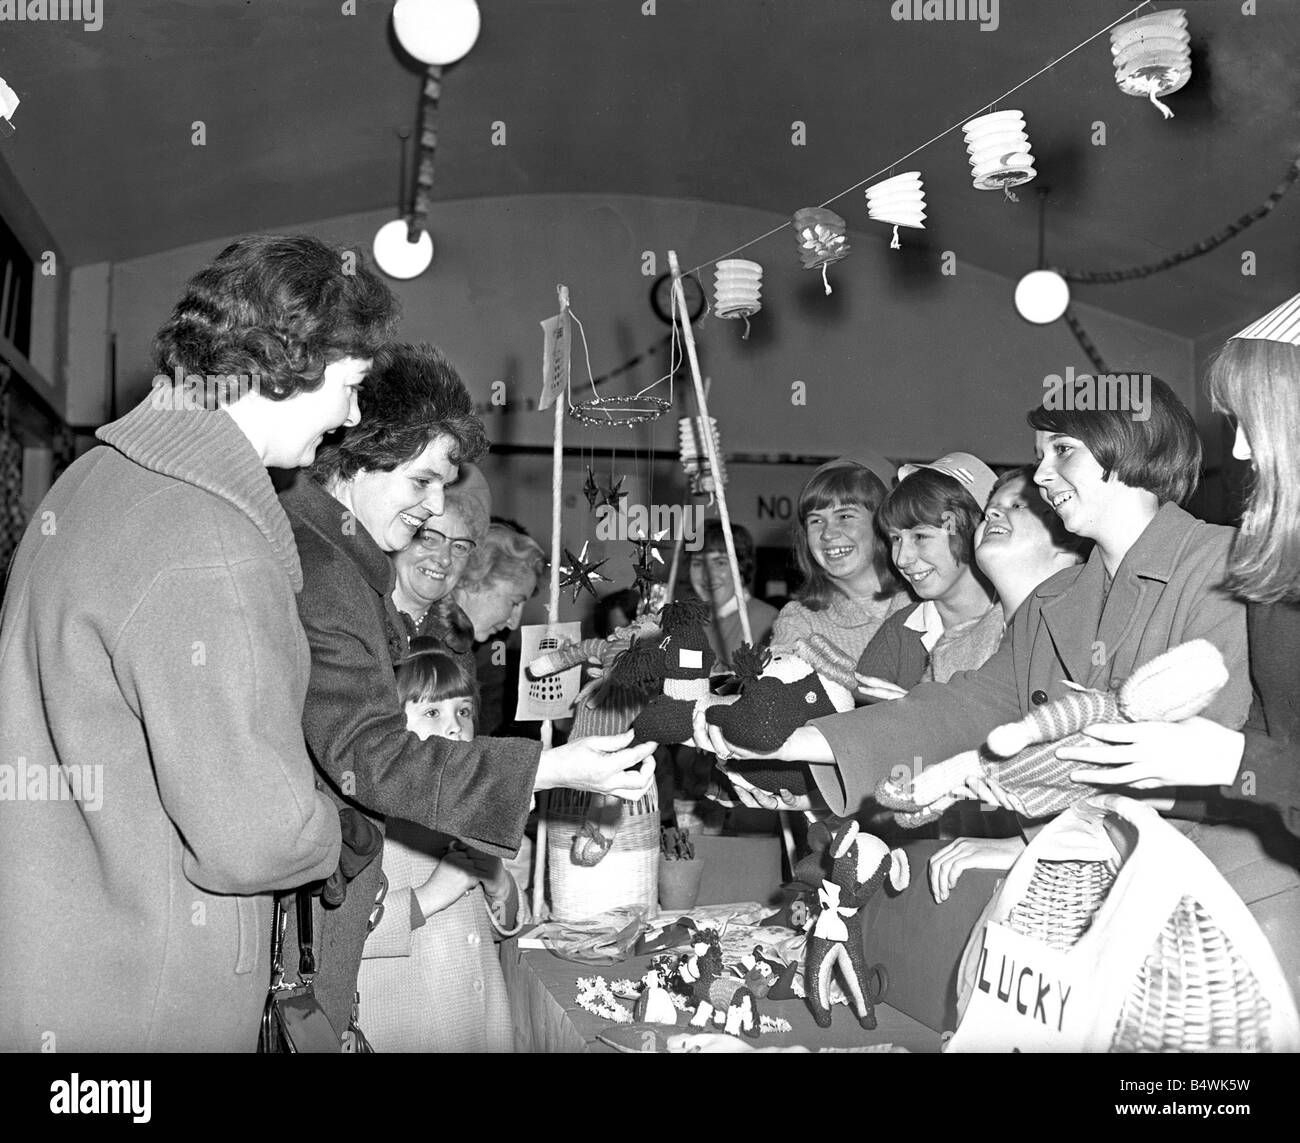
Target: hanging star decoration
{"x":646,"y":550}
{"x":613,"y":494}
{"x":581,"y":574}
{"x":591,"y":490}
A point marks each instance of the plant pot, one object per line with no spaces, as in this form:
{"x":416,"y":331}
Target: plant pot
{"x":679,"y":883}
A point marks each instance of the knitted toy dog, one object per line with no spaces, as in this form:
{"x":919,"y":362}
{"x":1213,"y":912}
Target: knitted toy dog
{"x":781,"y":693}
{"x":1175,"y":685}
{"x":861,"y":864}
{"x":680,"y":663}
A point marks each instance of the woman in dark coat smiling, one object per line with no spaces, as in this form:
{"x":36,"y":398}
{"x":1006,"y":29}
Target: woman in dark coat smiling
{"x":367,"y":495}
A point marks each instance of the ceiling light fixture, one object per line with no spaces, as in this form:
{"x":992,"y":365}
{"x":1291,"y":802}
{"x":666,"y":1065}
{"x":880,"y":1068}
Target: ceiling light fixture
{"x":1042,"y":295}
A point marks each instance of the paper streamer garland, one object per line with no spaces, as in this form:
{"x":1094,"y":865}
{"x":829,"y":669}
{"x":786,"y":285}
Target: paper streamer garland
{"x":1153,"y":56}
{"x":737,"y":286}
{"x":821,"y":238}
{"x":900,"y":201}
{"x":1000,"y":155}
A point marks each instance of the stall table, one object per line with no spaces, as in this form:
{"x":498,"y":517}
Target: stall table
{"x":542,"y":989}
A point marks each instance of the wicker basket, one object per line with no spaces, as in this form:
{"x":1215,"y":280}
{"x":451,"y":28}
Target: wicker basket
{"x":1162,"y":955}
{"x":627,"y":875}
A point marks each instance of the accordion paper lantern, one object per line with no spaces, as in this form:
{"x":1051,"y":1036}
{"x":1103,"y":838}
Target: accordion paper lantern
{"x":900,"y":201}
{"x":737,"y":284}
{"x":821,"y":238}
{"x":695,"y":455}
{"x":1153,"y":55}
{"x":1000,"y":156}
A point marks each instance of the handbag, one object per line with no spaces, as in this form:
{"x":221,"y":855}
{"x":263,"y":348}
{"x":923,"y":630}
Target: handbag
{"x":292,"y":1019}
{"x":1113,"y":932}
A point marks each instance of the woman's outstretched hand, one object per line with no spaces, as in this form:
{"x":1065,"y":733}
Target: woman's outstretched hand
{"x":1152,"y":755}
{"x":603,"y":764}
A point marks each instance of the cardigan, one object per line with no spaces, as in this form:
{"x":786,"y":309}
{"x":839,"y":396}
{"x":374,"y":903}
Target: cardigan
{"x":902,"y":652}
{"x":355,"y":726}
{"x":1165,"y":592}
{"x":150,"y":642}
{"x":1270,"y":763}
{"x":833,"y":638}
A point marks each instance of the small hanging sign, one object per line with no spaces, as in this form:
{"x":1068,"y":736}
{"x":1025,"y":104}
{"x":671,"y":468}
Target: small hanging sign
{"x":557,"y":342}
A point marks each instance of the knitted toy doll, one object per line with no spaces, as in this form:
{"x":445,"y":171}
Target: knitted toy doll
{"x":1174,"y":685}
{"x":606,"y":706}
{"x":680,"y":663}
{"x":781,"y":693}
{"x":861,"y":864}
{"x":654,"y":1005}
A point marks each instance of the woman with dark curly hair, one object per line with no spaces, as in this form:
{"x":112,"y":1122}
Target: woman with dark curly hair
{"x":367,"y":495}
{"x":153,"y":670}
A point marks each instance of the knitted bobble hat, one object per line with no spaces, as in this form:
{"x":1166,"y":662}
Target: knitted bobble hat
{"x":685,"y":646}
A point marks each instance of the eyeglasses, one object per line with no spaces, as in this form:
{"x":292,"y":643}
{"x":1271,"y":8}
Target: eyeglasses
{"x":431,"y":540}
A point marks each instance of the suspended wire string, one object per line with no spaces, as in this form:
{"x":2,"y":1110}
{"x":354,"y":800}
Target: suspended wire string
{"x":1107,"y":277}
{"x":1085,"y":342}
{"x":945,"y":132}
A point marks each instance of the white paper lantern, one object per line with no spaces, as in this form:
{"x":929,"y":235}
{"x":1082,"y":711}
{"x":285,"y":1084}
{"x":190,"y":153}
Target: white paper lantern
{"x":900,"y":201}
{"x":436,"y":31}
{"x":1153,"y":55}
{"x":737,"y":286}
{"x":694,"y":455}
{"x":1042,"y":296}
{"x":396,"y":255}
{"x":1000,"y":156}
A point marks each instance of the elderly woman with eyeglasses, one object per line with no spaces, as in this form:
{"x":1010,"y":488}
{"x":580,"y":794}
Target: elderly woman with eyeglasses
{"x":437,"y":558}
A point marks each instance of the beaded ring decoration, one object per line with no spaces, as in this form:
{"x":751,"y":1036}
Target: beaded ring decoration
{"x":619,"y":412}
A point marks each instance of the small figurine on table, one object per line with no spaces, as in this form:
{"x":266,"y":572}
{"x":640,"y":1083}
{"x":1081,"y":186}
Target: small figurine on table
{"x":861,"y":864}
{"x":698,"y":970}
{"x":654,"y":1005}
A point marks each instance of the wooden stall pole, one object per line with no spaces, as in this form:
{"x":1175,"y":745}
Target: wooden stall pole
{"x":552,"y":615}
{"x":702,"y":403}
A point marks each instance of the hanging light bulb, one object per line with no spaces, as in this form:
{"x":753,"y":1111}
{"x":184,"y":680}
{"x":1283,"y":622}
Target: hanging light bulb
{"x":820,"y":234}
{"x":1042,"y":296}
{"x":436,"y":31}
{"x":737,"y":284}
{"x":900,"y":201}
{"x":1153,"y":55}
{"x":695,"y":456}
{"x":399,"y":257}
{"x":1000,"y":155}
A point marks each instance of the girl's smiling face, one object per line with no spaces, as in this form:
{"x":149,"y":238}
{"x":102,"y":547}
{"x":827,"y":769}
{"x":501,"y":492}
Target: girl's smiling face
{"x":451,"y":718}
{"x":1071,"y":482}
{"x":1014,"y":527}
{"x":840,"y":539}
{"x":923,"y":555}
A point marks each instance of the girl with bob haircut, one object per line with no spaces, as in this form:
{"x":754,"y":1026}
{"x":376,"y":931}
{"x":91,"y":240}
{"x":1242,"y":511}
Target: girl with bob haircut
{"x":850,"y":587}
{"x":430,"y":977}
{"x":930,"y":521}
{"x":1254,"y":379}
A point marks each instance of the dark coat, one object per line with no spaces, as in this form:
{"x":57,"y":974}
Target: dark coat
{"x":1166,"y":591}
{"x":355,"y":725}
{"x":1271,"y":760}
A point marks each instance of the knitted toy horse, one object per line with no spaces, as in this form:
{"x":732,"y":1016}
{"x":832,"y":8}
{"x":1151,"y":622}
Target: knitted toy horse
{"x":781,"y":693}
{"x":1175,"y":685}
{"x":861,"y":864}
